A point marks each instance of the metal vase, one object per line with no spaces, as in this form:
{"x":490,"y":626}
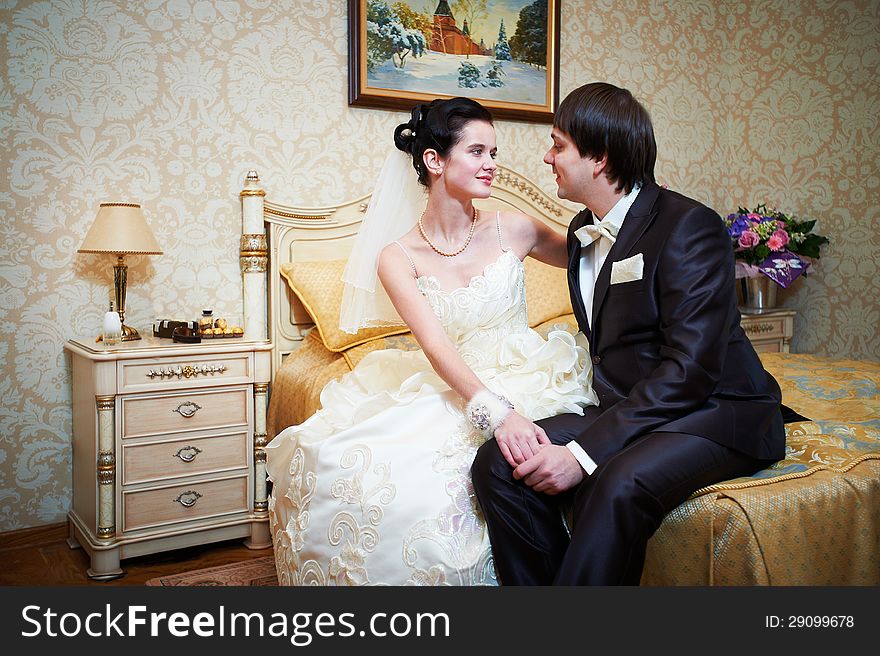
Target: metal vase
{"x":758,"y":293}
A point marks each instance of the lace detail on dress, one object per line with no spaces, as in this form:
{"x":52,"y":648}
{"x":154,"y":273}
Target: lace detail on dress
{"x":354,"y":530}
{"x":287,"y":539}
{"x":458,"y":530}
{"x":478,"y":316}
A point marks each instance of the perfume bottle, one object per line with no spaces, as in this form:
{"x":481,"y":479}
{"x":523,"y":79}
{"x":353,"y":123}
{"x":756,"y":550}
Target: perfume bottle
{"x":112,"y":327}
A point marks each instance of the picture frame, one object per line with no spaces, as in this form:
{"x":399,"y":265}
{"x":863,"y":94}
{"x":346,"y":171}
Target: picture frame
{"x":502,"y":53}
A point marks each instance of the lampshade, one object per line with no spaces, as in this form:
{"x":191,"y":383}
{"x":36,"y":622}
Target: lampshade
{"x":120,"y":228}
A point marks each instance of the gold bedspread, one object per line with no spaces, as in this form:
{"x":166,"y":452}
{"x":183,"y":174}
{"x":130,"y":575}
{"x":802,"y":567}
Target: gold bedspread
{"x":811,"y":519}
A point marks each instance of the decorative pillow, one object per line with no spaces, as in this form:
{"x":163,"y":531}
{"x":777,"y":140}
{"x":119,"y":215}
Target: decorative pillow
{"x":546,"y":291}
{"x":318,"y":285}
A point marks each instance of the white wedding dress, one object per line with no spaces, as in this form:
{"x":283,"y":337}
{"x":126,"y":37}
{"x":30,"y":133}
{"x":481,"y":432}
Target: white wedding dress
{"x":375,"y":487}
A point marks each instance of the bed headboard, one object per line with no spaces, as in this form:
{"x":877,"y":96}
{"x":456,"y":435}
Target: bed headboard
{"x":303,"y":234}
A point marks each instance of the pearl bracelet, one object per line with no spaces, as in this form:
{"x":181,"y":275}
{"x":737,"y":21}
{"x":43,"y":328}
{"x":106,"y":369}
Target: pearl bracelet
{"x":486,"y":411}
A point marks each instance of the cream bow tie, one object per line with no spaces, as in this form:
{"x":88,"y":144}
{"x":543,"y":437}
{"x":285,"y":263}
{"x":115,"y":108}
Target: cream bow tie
{"x":590,"y":233}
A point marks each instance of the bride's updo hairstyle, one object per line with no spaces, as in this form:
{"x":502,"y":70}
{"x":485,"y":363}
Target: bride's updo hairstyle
{"x":438,"y":125}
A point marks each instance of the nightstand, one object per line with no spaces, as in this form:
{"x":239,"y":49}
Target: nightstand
{"x":770,"y":330}
{"x":167,"y":447}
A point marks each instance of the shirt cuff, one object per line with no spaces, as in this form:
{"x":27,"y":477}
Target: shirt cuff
{"x":585,"y":461}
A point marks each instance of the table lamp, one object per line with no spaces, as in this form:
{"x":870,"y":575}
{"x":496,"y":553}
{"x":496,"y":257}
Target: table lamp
{"x":121,"y":229}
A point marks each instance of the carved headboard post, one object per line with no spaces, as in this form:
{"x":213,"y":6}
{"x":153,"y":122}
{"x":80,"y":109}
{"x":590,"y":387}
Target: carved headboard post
{"x":253,"y":256}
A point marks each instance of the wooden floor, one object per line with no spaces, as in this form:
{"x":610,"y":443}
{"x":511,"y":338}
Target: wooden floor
{"x":41,"y":557}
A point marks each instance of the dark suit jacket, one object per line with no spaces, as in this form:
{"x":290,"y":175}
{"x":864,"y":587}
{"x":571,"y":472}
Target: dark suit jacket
{"x":668,"y":350}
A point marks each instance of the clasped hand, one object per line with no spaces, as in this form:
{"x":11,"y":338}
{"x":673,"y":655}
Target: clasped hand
{"x":543,"y":466}
{"x":519,"y":439}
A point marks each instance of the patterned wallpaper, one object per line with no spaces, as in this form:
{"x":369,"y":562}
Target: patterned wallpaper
{"x":170,"y":102}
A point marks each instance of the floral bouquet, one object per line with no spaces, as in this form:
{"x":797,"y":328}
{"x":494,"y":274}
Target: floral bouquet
{"x":766,"y":241}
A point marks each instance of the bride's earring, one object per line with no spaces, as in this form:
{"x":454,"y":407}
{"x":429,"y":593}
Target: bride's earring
{"x":432,"y":161}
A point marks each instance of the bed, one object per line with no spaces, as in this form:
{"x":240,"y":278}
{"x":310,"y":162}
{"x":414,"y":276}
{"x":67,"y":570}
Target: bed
{"x":810,"y":519}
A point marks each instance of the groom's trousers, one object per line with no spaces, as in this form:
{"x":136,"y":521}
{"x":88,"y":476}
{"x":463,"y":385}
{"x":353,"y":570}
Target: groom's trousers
{"x":614,"y":511}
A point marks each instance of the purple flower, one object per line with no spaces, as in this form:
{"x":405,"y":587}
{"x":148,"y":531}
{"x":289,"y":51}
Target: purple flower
{"x":765,"y":231}
{"x":738,"y":225}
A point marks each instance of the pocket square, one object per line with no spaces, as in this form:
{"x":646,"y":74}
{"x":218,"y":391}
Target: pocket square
{"x":627,"y":270}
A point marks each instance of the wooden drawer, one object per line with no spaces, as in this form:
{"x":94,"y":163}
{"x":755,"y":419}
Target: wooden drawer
{"x":147,"y":414}
{"x":764,"y":327}
{"x":160,"y":460}
{"x":183,"y":503}
{"x":184,"y":372}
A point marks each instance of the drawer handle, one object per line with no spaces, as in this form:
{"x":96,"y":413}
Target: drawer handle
{"x":188,"y":499}
{"x":188,"y":453}
{"x":187,"y":371}
{"x":759,"y":328}
{"x":187,"y":409}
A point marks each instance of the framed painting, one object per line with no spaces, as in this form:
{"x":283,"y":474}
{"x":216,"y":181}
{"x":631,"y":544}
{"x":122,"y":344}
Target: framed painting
{"x":502,"y":53}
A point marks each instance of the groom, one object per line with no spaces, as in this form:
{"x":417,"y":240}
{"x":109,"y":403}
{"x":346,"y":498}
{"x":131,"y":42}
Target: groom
{"x":684,"y":399}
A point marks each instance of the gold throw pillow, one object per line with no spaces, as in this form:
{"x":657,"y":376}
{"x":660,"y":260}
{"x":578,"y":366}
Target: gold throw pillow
{"x":318,"y":286}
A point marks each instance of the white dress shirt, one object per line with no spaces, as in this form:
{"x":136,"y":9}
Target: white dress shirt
{"x":591,"y":261}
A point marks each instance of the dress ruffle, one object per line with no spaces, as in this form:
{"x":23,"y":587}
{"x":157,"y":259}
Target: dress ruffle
{"x":543,"y":378}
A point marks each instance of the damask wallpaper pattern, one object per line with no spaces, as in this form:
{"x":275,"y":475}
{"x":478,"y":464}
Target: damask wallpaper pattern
{"x":170,"y":102}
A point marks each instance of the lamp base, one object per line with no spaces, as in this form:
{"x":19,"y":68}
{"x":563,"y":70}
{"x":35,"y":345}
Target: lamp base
{"x":129,"y":334}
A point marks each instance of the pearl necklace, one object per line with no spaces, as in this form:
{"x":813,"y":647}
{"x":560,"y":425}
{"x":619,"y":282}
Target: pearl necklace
{"x":444,"y":253}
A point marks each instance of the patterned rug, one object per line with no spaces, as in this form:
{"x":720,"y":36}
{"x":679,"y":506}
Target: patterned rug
{"x":257,"y":571}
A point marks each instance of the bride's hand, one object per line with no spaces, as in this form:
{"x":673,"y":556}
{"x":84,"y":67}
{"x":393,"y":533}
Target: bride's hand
{"x":519,"y":439}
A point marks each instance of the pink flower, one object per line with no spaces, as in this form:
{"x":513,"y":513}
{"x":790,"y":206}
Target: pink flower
{"x":754,"y":217}
{"x":748,"y":239}
{"x":777,"y":240}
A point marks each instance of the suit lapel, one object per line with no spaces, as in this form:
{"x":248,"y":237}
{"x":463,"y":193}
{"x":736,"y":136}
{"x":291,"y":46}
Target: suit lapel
{"x":574,"y":283}
{"x":637,"y":220}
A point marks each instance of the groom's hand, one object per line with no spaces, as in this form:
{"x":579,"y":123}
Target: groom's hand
{"x":552,"y":470}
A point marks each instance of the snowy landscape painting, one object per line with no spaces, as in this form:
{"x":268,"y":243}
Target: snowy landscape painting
{"x":500,"y":52}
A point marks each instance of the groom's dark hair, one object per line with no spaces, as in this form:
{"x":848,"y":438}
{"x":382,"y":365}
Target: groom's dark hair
{"x":603,"y":119}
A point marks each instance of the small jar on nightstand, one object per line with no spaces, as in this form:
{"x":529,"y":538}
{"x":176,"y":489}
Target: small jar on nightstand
{"x":112,"y":332}
{"x":206,"y":320}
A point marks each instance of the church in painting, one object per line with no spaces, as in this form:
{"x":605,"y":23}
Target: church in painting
{"x":446,"y":36}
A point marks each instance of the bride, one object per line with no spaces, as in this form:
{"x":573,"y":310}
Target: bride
{"x":375,"y":487}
